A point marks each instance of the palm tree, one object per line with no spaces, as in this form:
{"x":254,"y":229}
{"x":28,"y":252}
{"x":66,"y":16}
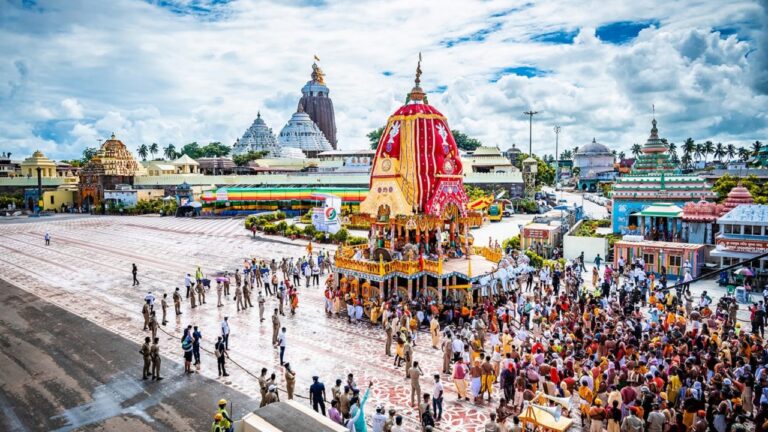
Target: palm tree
{"x":756,"y":146}
{"x":143,"y":151}
{"x":672,"y":148}
{"x":153,"y":149}
{"x":719,"y":152}
{"x":674,"y":158}
{"x":709,"y":148}
{"x":575,"y":150}
{"x":170,"y":151}
{"x":614,"y":153}
{"x":622,"y":156}
{"x":566,"y":155}
{"x":730,"y":151}
{"x":689,"y":147}
{"x":686,"y":160}
{"x":636,"y":149}
{"x":699,"y":152}
{"x":744,"y":154}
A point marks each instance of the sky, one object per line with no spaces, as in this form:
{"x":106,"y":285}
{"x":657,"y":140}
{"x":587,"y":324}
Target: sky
{"x":176,"y":71}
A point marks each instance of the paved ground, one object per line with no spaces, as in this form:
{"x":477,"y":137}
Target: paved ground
{"x":86,"y":271}
{"x":61,"y":372}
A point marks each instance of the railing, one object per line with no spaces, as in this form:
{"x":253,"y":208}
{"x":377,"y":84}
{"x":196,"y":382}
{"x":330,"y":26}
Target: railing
{"x":381,"y":268}
{"x":488,"y":253}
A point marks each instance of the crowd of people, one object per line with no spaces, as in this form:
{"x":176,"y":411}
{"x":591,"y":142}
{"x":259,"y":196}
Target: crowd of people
{"x":627,"y":351}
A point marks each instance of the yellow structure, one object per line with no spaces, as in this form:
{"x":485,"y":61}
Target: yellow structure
{"x":38,"y":160}
{"x":186,"y":165}
{"x":61,"y":197}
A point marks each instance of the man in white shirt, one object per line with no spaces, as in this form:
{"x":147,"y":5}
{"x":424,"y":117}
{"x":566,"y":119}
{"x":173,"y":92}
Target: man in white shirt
{"x":188,"y":283}
{"x":225,"y":332}
{"x":281,"y":343}
{"x":437,"y":398}
{"x":378,"y":420}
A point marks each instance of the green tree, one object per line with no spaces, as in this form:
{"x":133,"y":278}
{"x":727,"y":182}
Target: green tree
{"x":730,"y":151}
{"x":699,"y":152}
{"x":744,"y":154}
{"x":566,"y":155}
{"x":636,"y":150}
{"x":464,"y":142}
{"x":622,"y":156}
{"x":686,"y":160}
{"x":153,"y":149}
{"x":756,"y":147}
{"x":719,"y":152}
{"x":672,"y":149}
{"x":243,"y":159}
{"x":708,"y":148}
{"x":374,"y":136}
{"x":170,"y":151}
{"x":143,"y":150}
{"x":674,"y":158}
{"x":88,"y":154}
{"x":474,"y":192}
{"x":689,"y":148}
{"x":192,"y":150}
{"x":215,"y":149}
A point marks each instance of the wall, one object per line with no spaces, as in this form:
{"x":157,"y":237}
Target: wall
{"x":59,"y":197}
{"x":591,"y":246}
{"x":149,"y":194}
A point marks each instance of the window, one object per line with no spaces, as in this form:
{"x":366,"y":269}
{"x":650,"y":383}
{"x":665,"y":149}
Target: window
{"x":675,"y":261}
{"x":52,"y":200}
{"x":649,"y":258}
{"x":748,"y":230}
{"x":728,"y":261}
{"x":728,"y":229}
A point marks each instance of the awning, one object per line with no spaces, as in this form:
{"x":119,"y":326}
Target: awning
{"x":733,"y":254}
{"x":661,"y":210}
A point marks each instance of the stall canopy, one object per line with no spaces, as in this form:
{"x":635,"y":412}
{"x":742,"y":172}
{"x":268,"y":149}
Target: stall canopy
{"x":666,"y":210}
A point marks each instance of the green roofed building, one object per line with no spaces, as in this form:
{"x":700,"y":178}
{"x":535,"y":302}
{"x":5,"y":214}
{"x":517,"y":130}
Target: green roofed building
{"x":655,"y":182}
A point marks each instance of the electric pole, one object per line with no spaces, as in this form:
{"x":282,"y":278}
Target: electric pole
{"x":530,"y":115}
{"x":557,"y":130}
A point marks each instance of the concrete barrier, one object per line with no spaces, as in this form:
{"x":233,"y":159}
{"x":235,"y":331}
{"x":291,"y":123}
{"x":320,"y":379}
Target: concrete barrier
{"x":573,"y":246}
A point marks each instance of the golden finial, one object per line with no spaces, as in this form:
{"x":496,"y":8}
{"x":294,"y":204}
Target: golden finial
{"x":417,"y":94}
{"x":317,"y":58}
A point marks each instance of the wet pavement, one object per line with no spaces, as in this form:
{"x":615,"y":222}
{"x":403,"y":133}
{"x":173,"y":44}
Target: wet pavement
{"x":63,"y":373}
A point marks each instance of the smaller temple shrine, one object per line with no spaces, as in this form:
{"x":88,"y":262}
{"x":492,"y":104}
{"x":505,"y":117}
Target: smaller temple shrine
{"x":699,"y":222}
{"x":595,"y":164}
{"x":737,"y":196}
{"x":38,"y":160}
{"x":654,"y":178}
{"x":111,"y":166}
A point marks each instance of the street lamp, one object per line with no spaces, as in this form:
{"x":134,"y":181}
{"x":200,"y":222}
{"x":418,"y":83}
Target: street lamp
{"x":557,"y":130}
{"x":530,"y":114}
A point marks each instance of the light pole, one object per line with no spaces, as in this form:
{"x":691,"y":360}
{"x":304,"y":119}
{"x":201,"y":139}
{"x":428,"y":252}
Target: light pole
{"x":557,"y":130}
{"x":530,"y":114}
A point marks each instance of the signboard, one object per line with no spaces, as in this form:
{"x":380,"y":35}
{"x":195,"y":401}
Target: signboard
{"x":743,"y":245}
{"x":221,"y":195}
{"x":536,"y":234}
{"x":327,"y":218}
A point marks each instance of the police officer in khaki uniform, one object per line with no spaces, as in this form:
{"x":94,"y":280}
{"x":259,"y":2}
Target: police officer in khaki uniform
{"x":239,"y":298}
{"x":145,"y":312}
{"x":153,"y":324}
{"x":164,"y":305}
{"x":154,"y":352}
{"x":388,"y":344}
{"x":263,"y":386}
{"x":408,"y":356}
{"x":247,"y":296}
{"x":177,"y":301}
{"x":275,"y":327}
{"x":261,"y":301}
{"x":200,"y":293}
{"x":145,"y":352}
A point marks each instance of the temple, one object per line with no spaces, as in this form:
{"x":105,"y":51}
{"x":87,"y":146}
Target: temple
{"x":111,"y":166}
{"x":302,"y":133}
{"x":318,"y":105}
{"x":419,"y":241}
{"x":654,"y":179}
{"x":258,"y":138}
{"x":595,"y":164}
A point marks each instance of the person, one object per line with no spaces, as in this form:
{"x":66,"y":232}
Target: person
{"x":164,"y":306}
{"x":632,"y":423}
{"x":281,"y":339}
{"x":357,"y":411}
{"x":344,"y":401}
{"x":186,"y":346}
{"x":459,"y":379}
{"x":437,"y":398}
{"x":219,"y":292}
{"x":177,"y":301}
{"x":378,"y":420}
{"x":147,"y":356}
{"x":216,"y":426}
{"x":226,"y":420}
{"x":290,"y":380}
{"x":317,"y":394}
{"x":415,"y":373}
{"x":263,"y":386}
{"x":434,"y":330}
{"x":598,"y":260}
{"x":425,"y":414}
{"x":225,"y":332}
{"x":261,"y":300}
{"x":275,"y":326}
{"x":145,"y":313}
{"x":47,"y":239}
{"x":334,"y":414}
{"x":492,"y":425}
{"x":188,"y":284}
{"x":656,"y":420}
{"x":390,"y":422}
{"x":398,"y":427}
{"x":201,"y":293}
{"x":196,"y":337}
{"x":154,"y":353}
{"x":388,"y":340}
{"x":221,"y":355}
{"x":134,"y":272}
{"x":272,"y":396}
{"x":280,"y":298}
{"x":153,"y":324}
{"x":487,"y":378}
{"x":240,"y":304}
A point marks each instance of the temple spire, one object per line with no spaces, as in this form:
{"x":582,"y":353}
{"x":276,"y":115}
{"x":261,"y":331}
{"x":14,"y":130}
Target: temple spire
{"x":417,"y":94}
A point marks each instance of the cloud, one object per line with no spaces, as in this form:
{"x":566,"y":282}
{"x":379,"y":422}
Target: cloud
{"x":176,"y":71}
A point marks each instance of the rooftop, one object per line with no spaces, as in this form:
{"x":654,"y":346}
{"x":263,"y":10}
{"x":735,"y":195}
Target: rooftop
{"x":755,"y":214}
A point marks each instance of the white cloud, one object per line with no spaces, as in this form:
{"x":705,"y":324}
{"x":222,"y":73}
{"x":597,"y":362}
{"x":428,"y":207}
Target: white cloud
{"x":177,"y":74}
